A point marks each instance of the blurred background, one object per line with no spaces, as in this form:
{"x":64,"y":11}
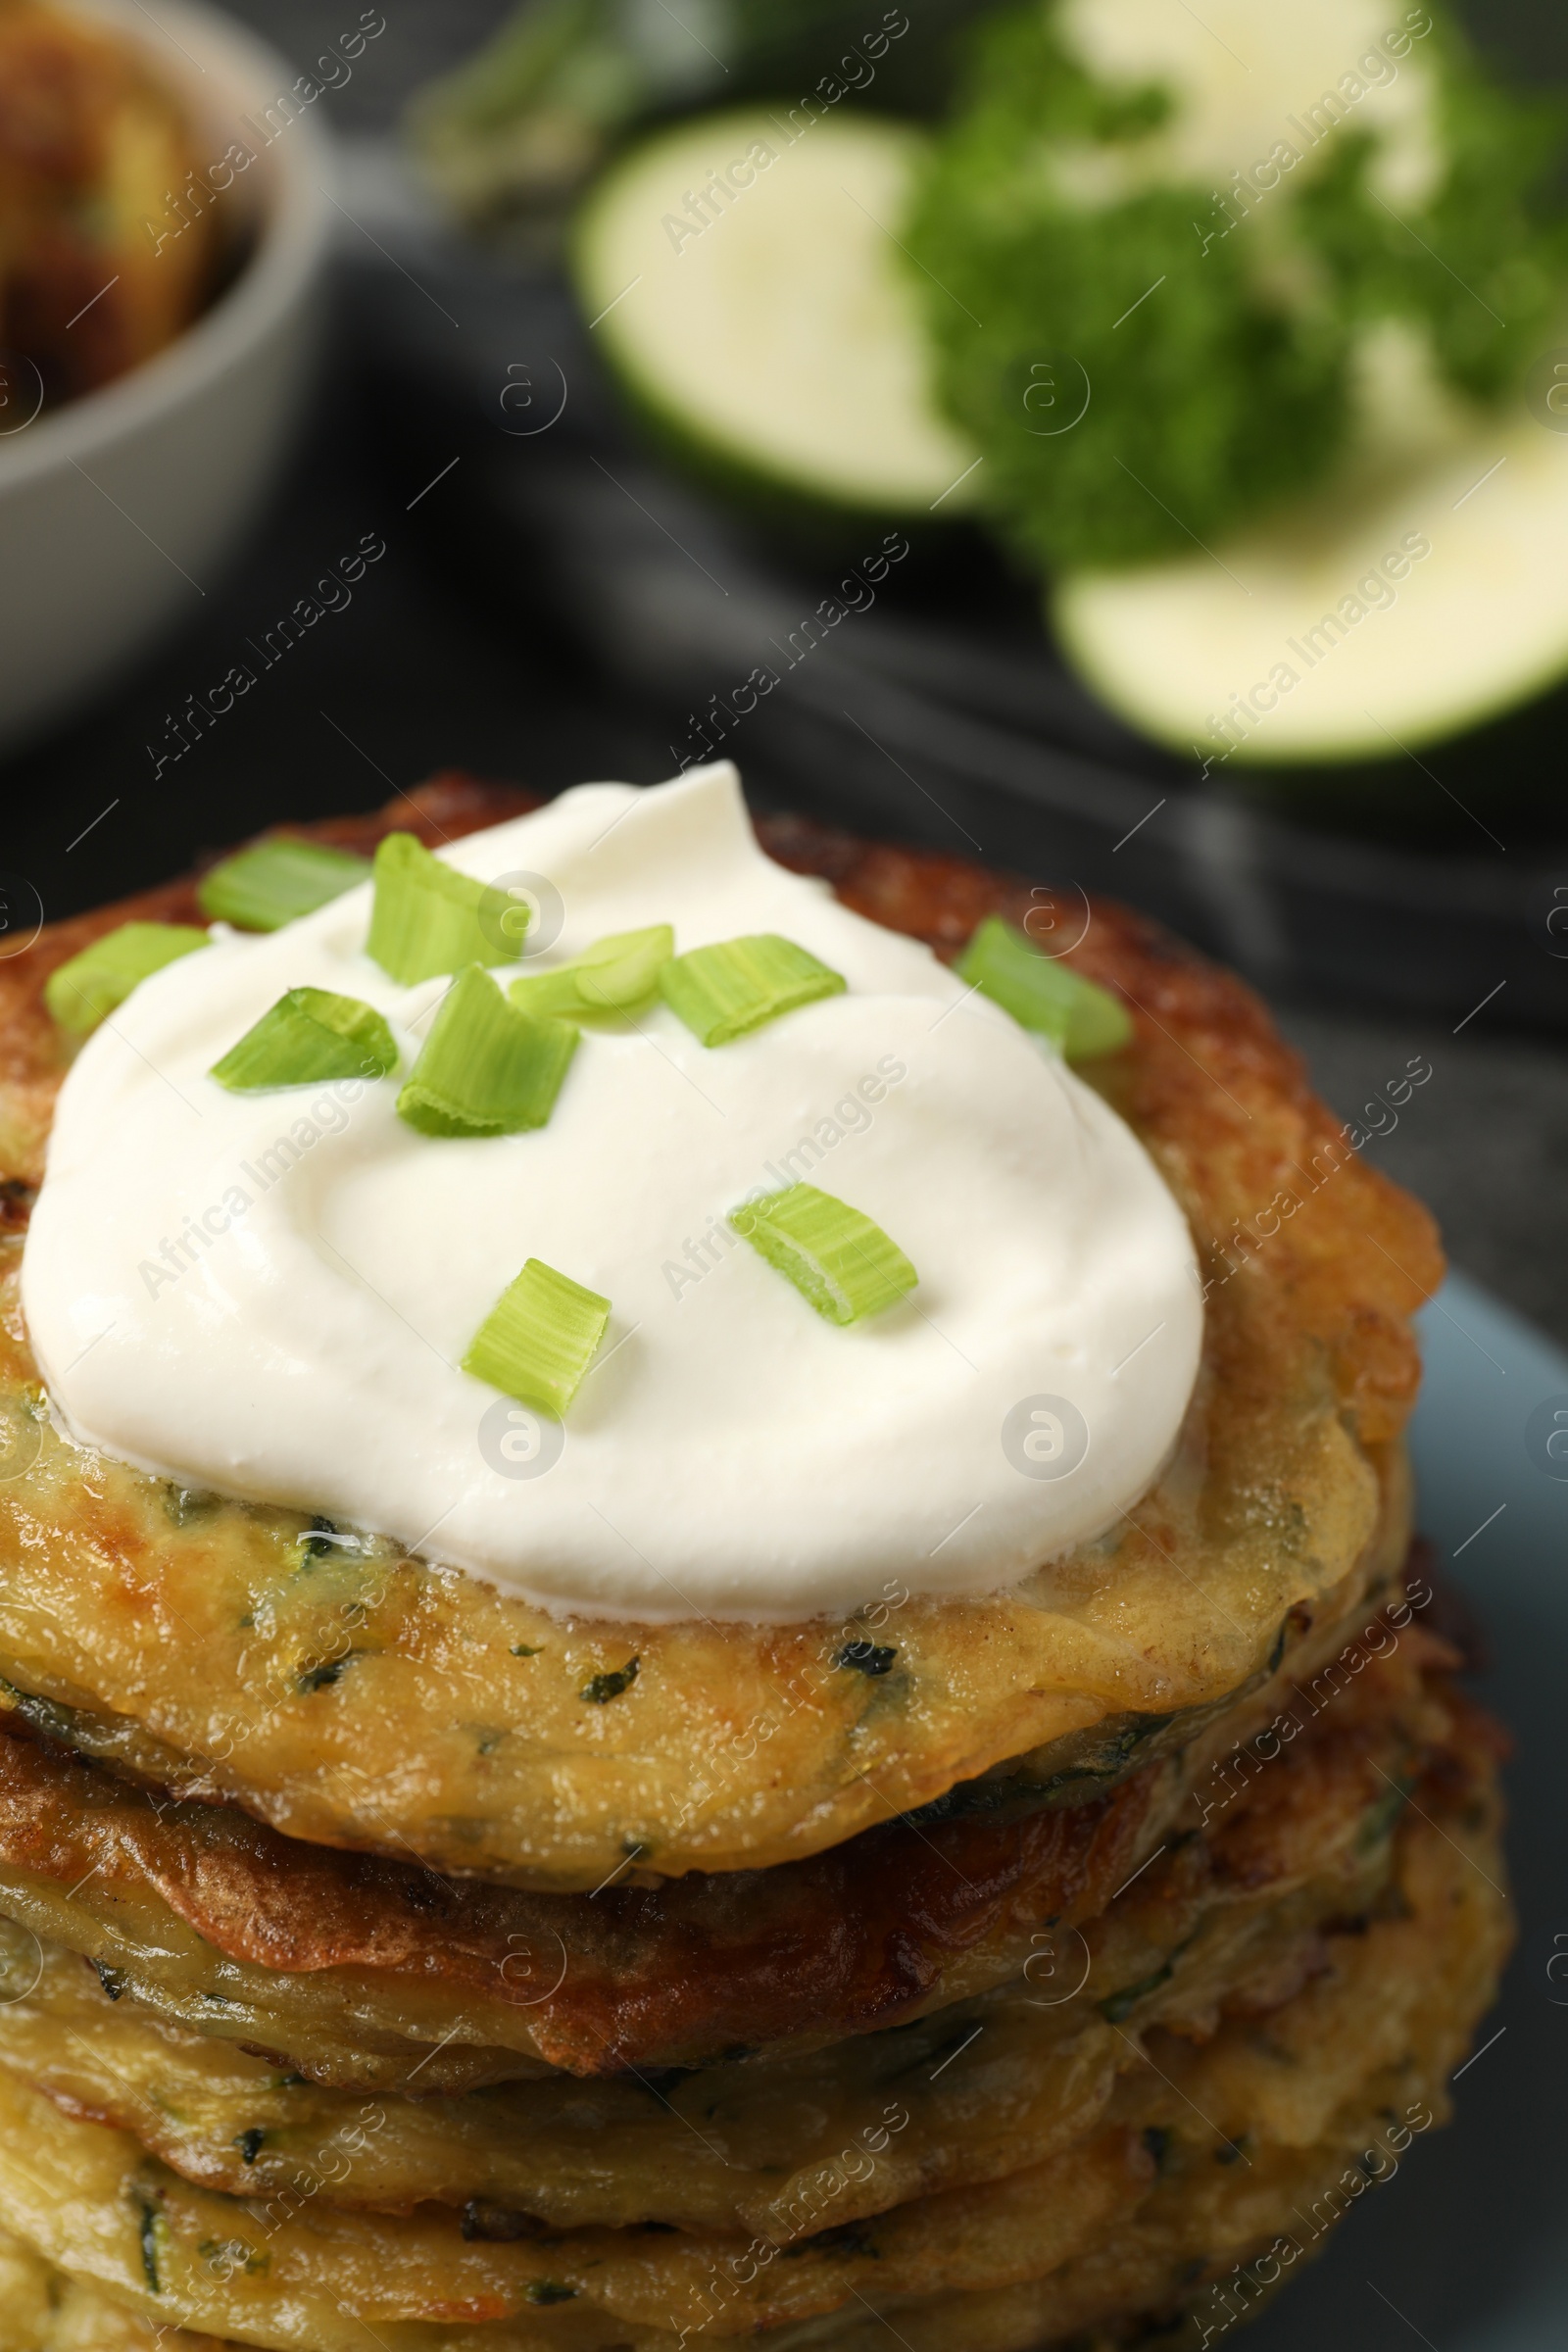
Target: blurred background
{"x":510,"y":409}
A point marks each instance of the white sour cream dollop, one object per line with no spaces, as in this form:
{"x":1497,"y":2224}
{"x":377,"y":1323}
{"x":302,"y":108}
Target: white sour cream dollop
{"x":271,"y":1294}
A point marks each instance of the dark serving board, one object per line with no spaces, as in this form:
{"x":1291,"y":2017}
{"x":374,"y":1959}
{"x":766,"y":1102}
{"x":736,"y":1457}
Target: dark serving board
{"x":941,"y":711}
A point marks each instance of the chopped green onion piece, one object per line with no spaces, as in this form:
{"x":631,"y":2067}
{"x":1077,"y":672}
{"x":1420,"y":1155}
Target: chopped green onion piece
{"x":839,"y":1261}
{"x":428,"y":919}
{"x":539,"y":1339}
{"x":308,"y":1035}
{"x":1079,"y":1016}
{"x":613,"y":975}
{"x":82,"y":993}
{"x":487,"y":1068}
{"x":270,"y":884}
{"x":723,"y":991}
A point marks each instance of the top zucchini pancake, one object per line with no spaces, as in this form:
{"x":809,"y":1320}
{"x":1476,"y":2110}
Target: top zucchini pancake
{"x":349,"y":1691}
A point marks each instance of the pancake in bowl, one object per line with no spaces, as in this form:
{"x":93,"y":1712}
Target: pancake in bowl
{"x":394,"y":1948}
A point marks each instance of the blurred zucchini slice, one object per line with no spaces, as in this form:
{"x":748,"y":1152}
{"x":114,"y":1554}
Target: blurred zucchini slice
{"x":743,"y":280}
{"x":1360,"y":629}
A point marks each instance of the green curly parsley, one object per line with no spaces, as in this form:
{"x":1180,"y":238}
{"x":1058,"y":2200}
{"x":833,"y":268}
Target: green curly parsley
{"x":1219,"y":339}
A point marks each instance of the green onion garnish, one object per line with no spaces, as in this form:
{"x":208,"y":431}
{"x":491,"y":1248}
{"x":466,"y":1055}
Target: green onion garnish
{"x":723,"y":991}
{"x":426,"y":918}
{"x":270,"y":884}
{"x":1081,"y":1018}
{"x":309,"y":1035}
{"x":539,"y":1339}
{"x":82,"y":993}
{"x":839,"y":1261}
{"x":487,"y":1068}
{"x":613,"y":975}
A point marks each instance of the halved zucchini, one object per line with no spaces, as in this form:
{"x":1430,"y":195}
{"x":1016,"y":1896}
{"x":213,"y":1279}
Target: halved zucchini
{"x":742,"y":274}
{"x":1385,"y":618}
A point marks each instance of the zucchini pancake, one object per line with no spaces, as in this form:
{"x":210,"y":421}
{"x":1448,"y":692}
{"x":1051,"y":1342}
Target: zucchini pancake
{"x":707,"y":1611}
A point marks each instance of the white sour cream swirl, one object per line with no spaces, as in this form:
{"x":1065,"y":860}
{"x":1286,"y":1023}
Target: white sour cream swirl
{"x":270,"y":1294}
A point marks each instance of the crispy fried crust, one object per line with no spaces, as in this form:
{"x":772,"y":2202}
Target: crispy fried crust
{"x":841,"y":1943}
{"x":1231,"y":1921}
{"x":1149,"y":2204}
{"x":349,"y":1968}
{"x":457,"y":1728}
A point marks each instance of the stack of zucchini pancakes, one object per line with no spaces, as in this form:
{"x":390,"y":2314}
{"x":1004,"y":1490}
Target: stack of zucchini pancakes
{"x":385,"y":1959}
